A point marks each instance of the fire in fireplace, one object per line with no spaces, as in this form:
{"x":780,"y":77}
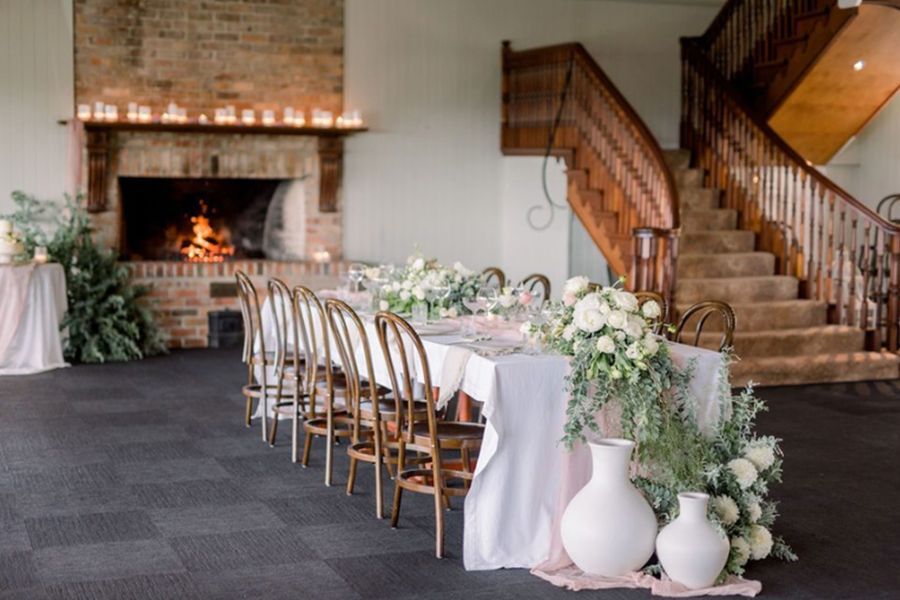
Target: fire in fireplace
{"x":195,"y":219}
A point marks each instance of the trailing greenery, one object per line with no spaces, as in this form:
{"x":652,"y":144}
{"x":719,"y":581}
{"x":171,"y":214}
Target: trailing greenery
{"x":616,"y":358}
{"x":105,"y":320}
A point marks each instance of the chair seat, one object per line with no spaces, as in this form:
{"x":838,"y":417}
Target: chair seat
{"x":254,"y":390}
{"x":452,"y":434}
{"x":258,"y":359}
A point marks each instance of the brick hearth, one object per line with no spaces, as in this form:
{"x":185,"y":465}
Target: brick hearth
{"x":182,"y":294}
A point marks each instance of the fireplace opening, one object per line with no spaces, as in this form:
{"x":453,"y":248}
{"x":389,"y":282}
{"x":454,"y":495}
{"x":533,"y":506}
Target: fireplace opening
{"x":195,"y":219}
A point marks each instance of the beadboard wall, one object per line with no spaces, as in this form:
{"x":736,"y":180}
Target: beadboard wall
{"x":426,"y":74}
{"x":36,"y":89}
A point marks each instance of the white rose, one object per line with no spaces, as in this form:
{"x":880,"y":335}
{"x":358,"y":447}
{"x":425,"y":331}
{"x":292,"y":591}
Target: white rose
{"x":396,"y":286}
{"x":419,"y":293}
{"x":606,"y":344}
{"x":625,"y":300}
{"x":568,"y":332}
{"x":620,"y":336}
{"x":743,"y":471}
{"x":590,"y":320}
{"x":576,"y":285}
{"x":633,"y":352}
{"x":617,"y":319}
{"x":651,"y":309}
{"x":604,"y":308}
{"x":407,"y":285}
{"x":461,"y":269}
{"x":614,"y":373}
{"x":383,"y":305}
{"x":651,"y":345}
{"x":634,"y":327}
{"x":727,"y":509}
{"x":592,"y":301}
{"x":741,"y":550}
{"x":404,"y":295}
{"x":507,"y":300}
{"x":760,"y":454}
{"x":418,"y":264}
{"x":754,"y":511}
{"x":760,"y":542}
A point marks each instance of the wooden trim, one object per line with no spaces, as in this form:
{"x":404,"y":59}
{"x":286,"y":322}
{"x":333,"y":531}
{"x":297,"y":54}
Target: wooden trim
{"x":220,"y":129}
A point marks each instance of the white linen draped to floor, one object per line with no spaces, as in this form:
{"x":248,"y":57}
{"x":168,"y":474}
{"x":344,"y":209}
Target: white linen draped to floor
{"x":516,"y":491}
{"x":32,"y":306}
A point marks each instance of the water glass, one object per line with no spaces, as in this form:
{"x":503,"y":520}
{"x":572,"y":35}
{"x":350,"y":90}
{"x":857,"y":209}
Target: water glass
{"x":420,"y":313}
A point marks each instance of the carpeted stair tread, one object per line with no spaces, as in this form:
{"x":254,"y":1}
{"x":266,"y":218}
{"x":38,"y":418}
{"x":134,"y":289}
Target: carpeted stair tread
{"x":764,"y":316}
{"x":816,"y":368}
{"x":717,"y":219}
{"x":698,"y":198}
{"x":820,"y":339}
{"x":687,"y":178}
{"x":677,"y":159}
{"x":736,"y":289}
{"x":732,"y":264}
{"x":717,"y":242}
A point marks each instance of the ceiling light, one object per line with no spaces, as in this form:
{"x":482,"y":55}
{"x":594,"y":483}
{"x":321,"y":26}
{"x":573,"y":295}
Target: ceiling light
{"x":858,"y":65}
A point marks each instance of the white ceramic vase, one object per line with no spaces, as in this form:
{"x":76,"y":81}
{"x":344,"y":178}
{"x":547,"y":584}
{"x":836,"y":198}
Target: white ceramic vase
{"x":608,"y":528}
{"x":692,"y":552}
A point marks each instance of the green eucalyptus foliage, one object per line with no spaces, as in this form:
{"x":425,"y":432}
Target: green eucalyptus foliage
{"x":105,"y":320}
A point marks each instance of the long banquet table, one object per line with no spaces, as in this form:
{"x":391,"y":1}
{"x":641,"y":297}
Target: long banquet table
{"x":515,"y":493}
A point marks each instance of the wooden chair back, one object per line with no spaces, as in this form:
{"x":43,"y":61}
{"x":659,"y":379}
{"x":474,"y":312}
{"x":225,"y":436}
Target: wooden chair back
{"x":281,"y":305}
{"x":702,"y":311}
{"x":251,"y":315}
{"x":403,"y":352}
{"x":536,"y":281}
{"x":312,"y":335}
{"x":349,"y":333}
{"x":494,"y":275}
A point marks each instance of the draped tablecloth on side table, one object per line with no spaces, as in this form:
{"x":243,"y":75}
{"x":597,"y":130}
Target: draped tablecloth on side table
{"x":32,"y":306}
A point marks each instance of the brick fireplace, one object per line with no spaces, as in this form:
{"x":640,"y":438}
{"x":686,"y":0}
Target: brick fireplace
{"x":245,"y":53}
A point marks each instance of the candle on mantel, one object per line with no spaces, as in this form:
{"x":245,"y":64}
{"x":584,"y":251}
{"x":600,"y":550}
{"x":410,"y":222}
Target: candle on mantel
{"x":132,"y":111}
{"x":112,"y":113}
{"x":339,"y":123}
{"x":248,"y":116}
{"x":99,"y":111}
{"x":203,"y":120}
{"x":181,"y":115}
{"x":144,"y":114}
{"x":299,"y":119}
{"x":230,"y":114}
{"x":321,"y":255}
{"x":84,"y":112}
{"x":288,"y":115}
{"x":268,"y":117}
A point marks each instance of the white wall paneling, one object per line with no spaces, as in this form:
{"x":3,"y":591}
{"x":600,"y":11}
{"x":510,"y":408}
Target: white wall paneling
{"x":36,"y":90}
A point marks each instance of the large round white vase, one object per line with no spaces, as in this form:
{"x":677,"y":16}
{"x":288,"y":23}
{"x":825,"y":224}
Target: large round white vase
{"x":608,"y":528}
{"x":692,"y":552}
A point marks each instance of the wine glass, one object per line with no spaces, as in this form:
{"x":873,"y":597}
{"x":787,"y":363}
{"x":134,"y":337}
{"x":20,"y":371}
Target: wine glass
{"x":356,"y":272}
{"x":487,"y":296}
{"x":440,"y":292}
{"x":474,"y":305}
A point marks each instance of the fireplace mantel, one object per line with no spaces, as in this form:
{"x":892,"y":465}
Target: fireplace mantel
{"x":330,"y":149}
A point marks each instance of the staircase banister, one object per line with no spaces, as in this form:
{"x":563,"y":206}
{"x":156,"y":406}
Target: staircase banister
{"x":691,"y":46}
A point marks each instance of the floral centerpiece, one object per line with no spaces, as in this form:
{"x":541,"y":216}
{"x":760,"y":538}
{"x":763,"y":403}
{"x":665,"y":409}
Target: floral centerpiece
{"x":10,"y":244}
{"x":615,"y":356}
{"x":419,"y":281}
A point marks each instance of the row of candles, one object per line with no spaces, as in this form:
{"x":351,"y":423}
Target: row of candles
{"x":222,"y":116}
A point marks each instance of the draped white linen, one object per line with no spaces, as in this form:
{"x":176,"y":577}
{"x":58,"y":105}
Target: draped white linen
{"x":33,"y":340}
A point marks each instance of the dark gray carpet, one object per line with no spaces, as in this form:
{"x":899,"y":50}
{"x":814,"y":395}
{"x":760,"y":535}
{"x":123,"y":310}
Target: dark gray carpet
{"x":139,"y":481}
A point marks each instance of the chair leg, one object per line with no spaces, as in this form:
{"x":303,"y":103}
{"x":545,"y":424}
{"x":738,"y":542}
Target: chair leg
{"x":295,"y":430}
{"x":379,"y":492}
{"x":307,"y":446}
{"x":439,"y":498}
{"x":273,"y":430}
{"x":398,"y":491}
{"x":329,"y":446}
{"x":351,"y":476}
{"x":464,"y":456}
{"x":249,"y":412}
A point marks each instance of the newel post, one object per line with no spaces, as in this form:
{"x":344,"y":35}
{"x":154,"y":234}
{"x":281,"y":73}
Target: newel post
{"x":643,"y":269}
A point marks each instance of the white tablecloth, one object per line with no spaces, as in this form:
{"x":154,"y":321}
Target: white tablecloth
{"x":513,"y":497}
{"x":33,"y":330}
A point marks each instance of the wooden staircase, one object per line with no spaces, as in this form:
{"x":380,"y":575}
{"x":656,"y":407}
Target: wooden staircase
{"x":781,"y":338}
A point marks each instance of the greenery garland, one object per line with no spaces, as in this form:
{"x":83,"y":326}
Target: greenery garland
{"x":616,"y":357}
{"x":105,"y":320}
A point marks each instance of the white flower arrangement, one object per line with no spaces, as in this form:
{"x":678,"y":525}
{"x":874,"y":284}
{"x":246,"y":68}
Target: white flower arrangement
{"x":726,"y":509}
{"x":414,"y":282}
{"x":744,"y":472}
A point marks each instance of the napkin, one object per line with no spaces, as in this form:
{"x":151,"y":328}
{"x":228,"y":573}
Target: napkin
{"x":452,"y":373}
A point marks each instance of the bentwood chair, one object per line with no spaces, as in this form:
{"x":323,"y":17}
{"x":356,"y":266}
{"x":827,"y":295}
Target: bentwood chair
{"x":254,"y":354}
{"x":536,"y":281}
{"x":403,"y":352}
{"x":494,"y":276}
{"x":702,"y":311}
{"x":292,"y":378}
{"x":326,"y":415}
{"x":371,"y":409}
{"x":645,"y":296}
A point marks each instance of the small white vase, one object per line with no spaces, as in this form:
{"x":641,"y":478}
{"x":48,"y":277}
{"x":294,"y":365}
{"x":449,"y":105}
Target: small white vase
{"x":608,"y":528}
{"x":692,"y":552}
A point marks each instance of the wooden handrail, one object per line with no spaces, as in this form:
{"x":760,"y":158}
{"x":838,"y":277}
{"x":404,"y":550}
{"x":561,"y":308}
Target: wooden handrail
{"x":694,"y":52}
{"x":842,"y":252}
{"x":623,"y":173}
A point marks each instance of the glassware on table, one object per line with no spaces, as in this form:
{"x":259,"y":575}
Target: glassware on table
{"x":487,"y":296}
{"x":420,"y":313}
{"x":474,"y":305}
{"x":439,"y":293}
{"x":356,"y":272}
